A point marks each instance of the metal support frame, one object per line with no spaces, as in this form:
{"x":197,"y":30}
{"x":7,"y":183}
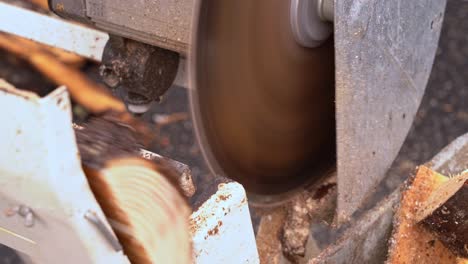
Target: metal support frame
{"x":50,"y":213}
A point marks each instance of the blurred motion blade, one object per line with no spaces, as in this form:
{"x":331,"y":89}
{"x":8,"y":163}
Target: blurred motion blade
{"x":262,"y":104}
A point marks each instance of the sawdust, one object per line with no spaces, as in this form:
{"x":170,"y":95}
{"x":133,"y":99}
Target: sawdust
{"x":311,"y":206}
{"x":410,"y":242}
{"x":268,"y":236}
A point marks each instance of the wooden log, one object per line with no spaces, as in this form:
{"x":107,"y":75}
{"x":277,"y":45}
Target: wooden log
{"x":44,"y":4}
{"x":184,"y":173}
{"x":144,"y":208}
{"x":90,"y":95}
{"x":87,"y":93}
{"x":68,"y":58}
{"x":411,"y":242}
{"x":445,"y":214}
{"x":140,"y":198}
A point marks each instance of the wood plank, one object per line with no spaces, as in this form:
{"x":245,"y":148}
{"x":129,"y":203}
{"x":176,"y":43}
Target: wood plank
{"x":411,"y":242}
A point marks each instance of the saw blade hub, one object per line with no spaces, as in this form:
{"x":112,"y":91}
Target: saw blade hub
{"x":310,"y":21}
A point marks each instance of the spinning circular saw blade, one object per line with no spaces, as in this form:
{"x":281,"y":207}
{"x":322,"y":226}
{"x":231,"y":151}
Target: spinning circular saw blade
{"x":263,"y":105}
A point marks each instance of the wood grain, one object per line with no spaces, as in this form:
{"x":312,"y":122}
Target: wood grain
{"x":146,"y":211}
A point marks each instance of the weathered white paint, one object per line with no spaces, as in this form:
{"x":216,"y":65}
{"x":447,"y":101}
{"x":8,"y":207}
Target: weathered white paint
{"x":40,"y":168}
{"x":52,"y":31}
{"x":222,"y":229}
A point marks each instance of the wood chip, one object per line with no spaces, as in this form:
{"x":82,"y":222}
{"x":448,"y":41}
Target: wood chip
{"x":411,"y":242}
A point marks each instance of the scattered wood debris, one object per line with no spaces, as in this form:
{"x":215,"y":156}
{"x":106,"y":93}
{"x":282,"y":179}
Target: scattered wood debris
{"x":268,"y":236}
{"x":284,"y":231}
{"x":308,"y":207}
{"x":411,"y":242}
{"x":166,"y":119}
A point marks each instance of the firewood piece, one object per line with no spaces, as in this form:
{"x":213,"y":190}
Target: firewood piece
{"x":139,"y":197}
{"x":147,"y":213}
{"x":68,"y":58}
{"x":411,"y":242}
{"x":90,"y":95}
{"x":314,"y":204}
{"x":445,"y":214}
{"x":44,"y":4}
{"x":184,"y":174}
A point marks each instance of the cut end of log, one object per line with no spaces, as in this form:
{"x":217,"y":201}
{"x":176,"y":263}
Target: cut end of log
{"x":146,"y":211}
{"x":141,"y":198}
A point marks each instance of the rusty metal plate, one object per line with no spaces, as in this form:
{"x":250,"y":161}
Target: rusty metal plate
{"x":384,"y":51}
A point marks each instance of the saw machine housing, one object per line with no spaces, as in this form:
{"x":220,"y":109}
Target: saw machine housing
{"x":380,"y":54}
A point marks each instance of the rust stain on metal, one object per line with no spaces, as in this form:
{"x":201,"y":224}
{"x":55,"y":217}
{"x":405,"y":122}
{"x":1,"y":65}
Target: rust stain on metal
{"x":195,"y":222}
{"x":223,"y":197}
{"x":200,"y":219}
{"x":215,"y":230}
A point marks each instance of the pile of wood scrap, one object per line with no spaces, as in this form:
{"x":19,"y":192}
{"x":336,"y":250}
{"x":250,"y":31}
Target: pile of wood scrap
{"x":431,"y":223}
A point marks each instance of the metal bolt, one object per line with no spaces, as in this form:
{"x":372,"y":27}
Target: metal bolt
{"x":26,"y":213}
{"x":102,"y":228}
{"x":29,"y":220}
{"x":326,"y":10}
{"x":24,"y":210}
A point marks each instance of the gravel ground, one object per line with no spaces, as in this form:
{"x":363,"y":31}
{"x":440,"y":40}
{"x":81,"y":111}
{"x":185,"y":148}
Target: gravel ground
{"x":443,"y":114}
{"x":442,"y":117}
